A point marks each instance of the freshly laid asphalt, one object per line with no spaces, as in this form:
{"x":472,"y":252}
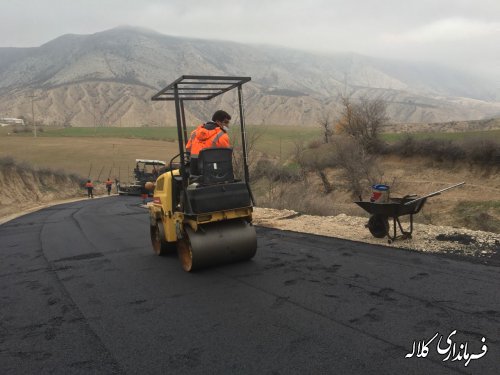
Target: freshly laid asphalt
{"x":81,"y":292}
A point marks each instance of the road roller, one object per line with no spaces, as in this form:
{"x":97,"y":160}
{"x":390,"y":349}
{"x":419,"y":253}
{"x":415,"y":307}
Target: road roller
{"x":200,"y":209}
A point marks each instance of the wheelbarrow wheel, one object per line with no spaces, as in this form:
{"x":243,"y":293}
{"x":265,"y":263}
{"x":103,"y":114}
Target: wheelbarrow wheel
{"x":378,"y":225}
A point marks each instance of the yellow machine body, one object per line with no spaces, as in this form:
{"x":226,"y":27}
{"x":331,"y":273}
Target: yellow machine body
{"x":202,"y":239}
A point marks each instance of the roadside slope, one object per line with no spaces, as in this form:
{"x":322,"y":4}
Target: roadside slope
{"x":23,"y":187}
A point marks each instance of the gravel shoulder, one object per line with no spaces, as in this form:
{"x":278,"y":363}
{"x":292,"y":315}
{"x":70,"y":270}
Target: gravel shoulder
{"x":479,"y":245}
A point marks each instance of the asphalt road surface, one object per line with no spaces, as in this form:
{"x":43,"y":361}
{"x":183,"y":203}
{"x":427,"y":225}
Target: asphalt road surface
{"x":81,"y":292}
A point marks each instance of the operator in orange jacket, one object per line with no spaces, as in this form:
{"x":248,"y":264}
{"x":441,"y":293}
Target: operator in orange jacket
{"x":211,"y":134}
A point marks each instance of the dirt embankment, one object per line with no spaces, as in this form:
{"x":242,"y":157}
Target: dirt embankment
{"x":24,"y":188}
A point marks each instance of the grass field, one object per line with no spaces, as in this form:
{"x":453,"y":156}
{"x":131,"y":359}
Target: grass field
{"x":163,"y":134}
{"x":90,"y":157}
{"x":88,"y":150}
{"x":272,"y":140}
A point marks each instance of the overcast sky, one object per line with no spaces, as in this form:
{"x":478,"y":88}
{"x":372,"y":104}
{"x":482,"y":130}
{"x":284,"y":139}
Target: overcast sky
{"x":463,"y":33}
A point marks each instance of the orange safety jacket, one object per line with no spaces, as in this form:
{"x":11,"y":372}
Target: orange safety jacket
{"x":109,"y":183}
{"x":206,"y":136}
{"x":89,"y":185}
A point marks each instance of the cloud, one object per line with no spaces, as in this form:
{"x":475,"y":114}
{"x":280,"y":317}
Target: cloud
{"x":446,"y":30}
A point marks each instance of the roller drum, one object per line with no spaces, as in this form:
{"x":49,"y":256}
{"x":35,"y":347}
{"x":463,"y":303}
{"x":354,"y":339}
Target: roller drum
{"x":217,"y":243}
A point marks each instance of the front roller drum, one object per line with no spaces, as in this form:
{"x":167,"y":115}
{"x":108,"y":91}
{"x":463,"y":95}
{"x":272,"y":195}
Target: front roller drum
{"x":217,"y":243}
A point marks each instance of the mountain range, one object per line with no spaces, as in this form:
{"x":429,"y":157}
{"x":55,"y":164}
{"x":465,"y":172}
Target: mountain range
{"x":108,"y":78}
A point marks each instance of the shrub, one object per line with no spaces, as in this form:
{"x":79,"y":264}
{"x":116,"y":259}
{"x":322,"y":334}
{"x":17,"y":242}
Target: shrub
{"x":359,"y":168}
{"x":479,"y":215}
{"x":265,"y":168}
{"x":482,"y":151}
{"x":476,"y":151}
{"x":321,"y":157}
{"x":314,"y":144}
{"x":7,"y":162}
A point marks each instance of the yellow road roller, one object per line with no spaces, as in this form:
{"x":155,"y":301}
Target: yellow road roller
{"x":199,"y":208}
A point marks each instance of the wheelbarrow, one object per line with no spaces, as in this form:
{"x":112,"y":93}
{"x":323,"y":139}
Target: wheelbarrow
{"x":378,"y":224}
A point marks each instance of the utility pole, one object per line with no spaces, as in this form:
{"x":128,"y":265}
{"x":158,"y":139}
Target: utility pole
{"x":95,"y":122}
{"x":32,"y":96}
{"x":113,"y":168}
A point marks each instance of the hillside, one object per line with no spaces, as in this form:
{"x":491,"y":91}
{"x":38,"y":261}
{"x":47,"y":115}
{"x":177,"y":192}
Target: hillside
{"x":107,"y":79}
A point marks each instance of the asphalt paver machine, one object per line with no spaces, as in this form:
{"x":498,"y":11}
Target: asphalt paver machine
{"x":145,"y":171}
{"x":199,"y":208}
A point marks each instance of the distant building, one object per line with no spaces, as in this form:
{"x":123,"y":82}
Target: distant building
{"x":6,"y":121}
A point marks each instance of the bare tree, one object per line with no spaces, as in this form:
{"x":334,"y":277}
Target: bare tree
{"x":363,"y":120}
{"x":252,"y":136}
{"x":327,"y":186}
{"x":325,"y":122}
{"x":67,"y":117}
{"x":298,"y":156}
{"x":318,"y":160}
{"x":359,"y":168}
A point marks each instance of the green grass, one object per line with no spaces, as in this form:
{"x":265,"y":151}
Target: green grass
{"x":164,"y":134}
{"x":269,"y":133}
{"x":461,"y":136}
{"x":279,"y":140}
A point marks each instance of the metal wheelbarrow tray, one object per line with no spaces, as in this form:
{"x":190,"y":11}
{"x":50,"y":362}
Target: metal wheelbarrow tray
{"x":378,"y":224}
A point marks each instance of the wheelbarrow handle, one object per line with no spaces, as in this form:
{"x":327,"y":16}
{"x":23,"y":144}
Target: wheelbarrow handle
{"x":434,"y":193}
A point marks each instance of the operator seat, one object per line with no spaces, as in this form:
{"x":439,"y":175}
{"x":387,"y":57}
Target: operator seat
{"x":215,"y":188}
{"x":215,"y":165}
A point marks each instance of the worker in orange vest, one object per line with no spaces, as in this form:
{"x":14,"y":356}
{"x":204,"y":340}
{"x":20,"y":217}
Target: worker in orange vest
{"x":109,"y":184}
{"x":90,"y":189}
{"x":210,"y":134}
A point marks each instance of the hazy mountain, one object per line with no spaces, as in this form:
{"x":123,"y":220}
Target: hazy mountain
{"x":108,"y":78}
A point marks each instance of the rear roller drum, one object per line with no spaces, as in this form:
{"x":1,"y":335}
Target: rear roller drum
{"x":217,"y":243}
{"x":160,"y":245}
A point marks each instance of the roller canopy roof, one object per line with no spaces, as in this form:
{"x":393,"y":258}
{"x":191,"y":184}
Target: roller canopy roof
{"x":191,"y":87}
